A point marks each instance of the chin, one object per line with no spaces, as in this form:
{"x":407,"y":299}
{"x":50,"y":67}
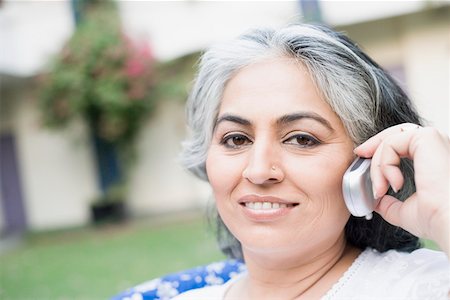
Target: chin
{"x":267,"y":239}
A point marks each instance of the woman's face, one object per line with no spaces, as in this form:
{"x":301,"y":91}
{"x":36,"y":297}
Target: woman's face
{"x":277,"y":159}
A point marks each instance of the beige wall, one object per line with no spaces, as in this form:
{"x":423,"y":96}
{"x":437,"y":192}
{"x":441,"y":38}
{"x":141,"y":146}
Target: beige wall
{"x":158,"y":182}
{"x":427,"y":62}
{"x":58,"y":172}
{"x":58,"y":178}
{"x":420,"y":43}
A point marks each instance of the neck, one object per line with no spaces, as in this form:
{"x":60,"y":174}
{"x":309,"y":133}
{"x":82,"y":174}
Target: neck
{"x":274,"y":276}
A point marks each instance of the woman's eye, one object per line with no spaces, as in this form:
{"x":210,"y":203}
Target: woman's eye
{"x":302,"y":140}
{"x":235,"y":141}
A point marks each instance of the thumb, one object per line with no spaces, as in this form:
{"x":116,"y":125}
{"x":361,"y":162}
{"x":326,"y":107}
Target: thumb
{"x":390,"y":209}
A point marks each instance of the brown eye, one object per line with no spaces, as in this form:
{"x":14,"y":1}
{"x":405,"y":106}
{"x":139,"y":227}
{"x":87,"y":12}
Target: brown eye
{"x":302,"y":140}
{"x":238,"y":140}
{"x":235,"y":141}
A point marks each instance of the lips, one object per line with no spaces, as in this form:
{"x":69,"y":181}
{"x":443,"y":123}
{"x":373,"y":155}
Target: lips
{"x":265,"y":200}
{"x":265,"y":208}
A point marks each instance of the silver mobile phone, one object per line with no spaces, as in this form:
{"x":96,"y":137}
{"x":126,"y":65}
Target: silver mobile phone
{"x":357,"y":189}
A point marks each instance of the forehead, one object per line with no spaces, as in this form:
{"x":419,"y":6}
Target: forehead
{"x":274,"y":87}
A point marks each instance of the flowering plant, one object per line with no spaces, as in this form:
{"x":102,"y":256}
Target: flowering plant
{"x":102,"y":76}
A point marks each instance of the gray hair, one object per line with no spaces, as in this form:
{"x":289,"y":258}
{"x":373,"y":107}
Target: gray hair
{"x":362,"y":94}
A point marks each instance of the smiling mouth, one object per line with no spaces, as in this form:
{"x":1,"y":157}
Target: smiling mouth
{"x":267,"y":205}
{"x":258,"y":208}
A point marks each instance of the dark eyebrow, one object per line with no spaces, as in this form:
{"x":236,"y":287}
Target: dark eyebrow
{"x":234,"y":119}
{"x":286,"y":119}
{"x":282,"y":121}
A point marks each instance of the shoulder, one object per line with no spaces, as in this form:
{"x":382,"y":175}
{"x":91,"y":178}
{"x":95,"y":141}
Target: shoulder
{"x":421,"y":260}
{"x":421,"y":274}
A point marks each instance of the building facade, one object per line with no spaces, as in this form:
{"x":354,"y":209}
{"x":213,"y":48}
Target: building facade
{"x":49,"y":177}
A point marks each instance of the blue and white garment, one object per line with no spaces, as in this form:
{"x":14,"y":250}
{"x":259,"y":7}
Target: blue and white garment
{"x":169,"y":286}
{"x":423,"y":274}
{"x":420,"y":275}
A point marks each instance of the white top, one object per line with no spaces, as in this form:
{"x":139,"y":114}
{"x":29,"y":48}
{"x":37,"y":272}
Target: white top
{"x":422,"y":274}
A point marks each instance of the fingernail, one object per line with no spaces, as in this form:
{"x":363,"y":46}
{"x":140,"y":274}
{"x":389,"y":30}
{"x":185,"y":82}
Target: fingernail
{"x":375,"y":196}
{"x":394,"y":189}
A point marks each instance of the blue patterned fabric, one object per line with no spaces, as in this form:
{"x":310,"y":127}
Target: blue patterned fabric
{"x":169,"y":286}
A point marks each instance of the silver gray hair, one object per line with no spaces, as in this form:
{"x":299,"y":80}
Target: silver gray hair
{"x":349,"y":84}
{"x":362,"y":94}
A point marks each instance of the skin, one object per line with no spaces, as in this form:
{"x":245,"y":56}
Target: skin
{"x":303,"y":253}
{"x":426,"y":213}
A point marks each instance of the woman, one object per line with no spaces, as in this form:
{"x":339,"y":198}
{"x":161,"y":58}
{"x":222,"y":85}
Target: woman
{"x":275,"y":119}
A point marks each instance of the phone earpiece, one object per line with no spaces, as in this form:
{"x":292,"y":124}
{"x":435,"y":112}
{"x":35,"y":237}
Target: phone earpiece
{"x":357,"y":189}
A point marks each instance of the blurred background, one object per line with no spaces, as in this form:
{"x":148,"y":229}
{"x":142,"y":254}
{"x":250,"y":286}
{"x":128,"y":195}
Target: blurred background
{"x":92,"y":93}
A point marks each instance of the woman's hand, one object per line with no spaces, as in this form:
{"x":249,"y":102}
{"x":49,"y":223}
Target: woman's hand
{"x":426,"y":212}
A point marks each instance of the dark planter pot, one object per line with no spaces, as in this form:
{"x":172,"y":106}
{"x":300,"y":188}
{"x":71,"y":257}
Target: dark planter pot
{"x":114,"y":212}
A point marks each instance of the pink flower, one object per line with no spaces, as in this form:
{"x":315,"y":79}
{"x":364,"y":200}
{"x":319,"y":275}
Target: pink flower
{"x":134,"y":67}
{"x":140,"y":58}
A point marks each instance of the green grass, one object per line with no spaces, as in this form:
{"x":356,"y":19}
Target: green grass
{"x":96,"y":263}
{"x":430,"y":244}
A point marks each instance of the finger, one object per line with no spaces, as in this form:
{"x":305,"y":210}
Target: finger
{"x":380,"y":184}
{"x":390,"y":166}
{"x":394,"y":177}
{"x":367,"y":149}
{"x":390,"y":209}
{"x":387,"y":159}
{"x":385,"y":169}
{"x":400,"y":213}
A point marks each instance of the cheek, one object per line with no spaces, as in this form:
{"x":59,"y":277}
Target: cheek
{"x":224,"y":173}
{"x":320,"y":179}
{"x":320,"y":183}
{"x":318,"y":172}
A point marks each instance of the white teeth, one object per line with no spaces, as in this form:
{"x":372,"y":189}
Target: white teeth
{"x":264,"y":205}
{"x":267,"y":205}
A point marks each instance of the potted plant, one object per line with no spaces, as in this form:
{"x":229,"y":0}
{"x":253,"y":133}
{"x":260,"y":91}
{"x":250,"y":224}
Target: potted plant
{"x":105,"y":78}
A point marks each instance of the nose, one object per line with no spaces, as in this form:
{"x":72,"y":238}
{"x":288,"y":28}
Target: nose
{"x":263,"y":164}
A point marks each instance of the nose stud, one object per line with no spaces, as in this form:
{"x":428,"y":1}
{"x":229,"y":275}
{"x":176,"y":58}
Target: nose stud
{"x":264,"y":174}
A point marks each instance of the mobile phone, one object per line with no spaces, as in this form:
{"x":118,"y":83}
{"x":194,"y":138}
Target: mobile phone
{"x":357,"y":189}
